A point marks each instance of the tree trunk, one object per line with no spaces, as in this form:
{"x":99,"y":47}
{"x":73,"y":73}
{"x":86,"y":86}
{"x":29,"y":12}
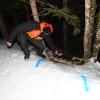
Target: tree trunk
{"x":97,"y":40}
{"x":34,"y":10}
{"x":65,"y":30}
{"x":92,"y":27}
{"x":3,"y":30}
{"x":89,"y":20}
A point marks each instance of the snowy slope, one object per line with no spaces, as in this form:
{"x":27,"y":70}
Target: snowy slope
{"x":21,"y":80}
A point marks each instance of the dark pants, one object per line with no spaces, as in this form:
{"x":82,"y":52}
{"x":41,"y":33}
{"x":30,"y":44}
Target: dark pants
{"x":98,"y":56}
{"x":19,"y":33}
{"x":23,"y":42}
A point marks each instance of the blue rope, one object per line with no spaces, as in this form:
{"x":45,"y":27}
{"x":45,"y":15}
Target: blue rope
{"x":85,"y":80}
{"x":39,"y":62}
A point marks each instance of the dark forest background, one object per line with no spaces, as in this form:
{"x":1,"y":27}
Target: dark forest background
{"x":14,"y":12}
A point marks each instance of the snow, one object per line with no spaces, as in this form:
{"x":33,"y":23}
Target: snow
{"x":21,"y":80}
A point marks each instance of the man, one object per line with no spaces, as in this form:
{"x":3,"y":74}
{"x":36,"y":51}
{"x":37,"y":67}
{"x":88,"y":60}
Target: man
{"x":98,"y":56}
{"x":35,"y":33}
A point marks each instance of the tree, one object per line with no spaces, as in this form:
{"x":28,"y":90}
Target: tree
{"x":3,"y":30}
{"x":90,"y":6}
{"x":34,"y":10}
{"x":97,"y":37}
{"x":65,"y":30}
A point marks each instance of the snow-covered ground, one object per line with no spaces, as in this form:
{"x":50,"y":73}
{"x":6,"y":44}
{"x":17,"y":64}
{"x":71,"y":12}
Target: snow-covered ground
{"x":22,"y":80}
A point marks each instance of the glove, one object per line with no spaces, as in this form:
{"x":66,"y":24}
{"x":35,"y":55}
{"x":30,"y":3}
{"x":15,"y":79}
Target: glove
{"x":9,"y":44}
{"x":41,"y":54}
{"x":58,"y":53}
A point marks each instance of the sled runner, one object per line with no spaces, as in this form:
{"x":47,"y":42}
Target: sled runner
{"x":54,"y":58}
{"x":57,"y":59}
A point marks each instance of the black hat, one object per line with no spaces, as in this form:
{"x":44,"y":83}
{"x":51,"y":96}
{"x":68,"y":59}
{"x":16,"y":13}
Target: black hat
{"x":47,"y":30}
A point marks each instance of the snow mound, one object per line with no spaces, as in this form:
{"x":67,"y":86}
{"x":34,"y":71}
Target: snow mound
{"x":22,"y":80}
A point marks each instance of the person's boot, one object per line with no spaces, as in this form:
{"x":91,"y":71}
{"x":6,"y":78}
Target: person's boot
{"x":97,"y":60}
{"x":26,"y":57}
{"x":98,"y":57}
{"x":58,"y":53}
{"x":41,"y":55}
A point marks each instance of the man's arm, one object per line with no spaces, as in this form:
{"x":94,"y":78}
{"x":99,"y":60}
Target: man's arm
{"x":22,"y":28}
{"x":48,"y":41}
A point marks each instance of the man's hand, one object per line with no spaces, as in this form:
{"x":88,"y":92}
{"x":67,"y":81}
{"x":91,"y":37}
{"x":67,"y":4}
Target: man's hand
{"x":58,"y":53}
{"x":8,"y":44}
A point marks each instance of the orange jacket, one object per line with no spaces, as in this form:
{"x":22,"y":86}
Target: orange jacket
{"x":35,"y":33}
{"x":44,"y":25}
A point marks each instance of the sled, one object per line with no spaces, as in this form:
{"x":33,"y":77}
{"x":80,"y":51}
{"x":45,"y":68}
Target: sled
{"x":56,"y":59}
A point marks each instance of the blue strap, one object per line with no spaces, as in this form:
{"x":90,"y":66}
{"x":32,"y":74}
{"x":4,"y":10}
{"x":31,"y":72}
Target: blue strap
{"x":85,"y":80}
{"x":39,"y":62}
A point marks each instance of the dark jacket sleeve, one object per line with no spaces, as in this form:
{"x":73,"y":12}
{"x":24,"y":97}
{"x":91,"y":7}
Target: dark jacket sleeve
{"x":48,"y":41}
{"x":23,"y":28}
